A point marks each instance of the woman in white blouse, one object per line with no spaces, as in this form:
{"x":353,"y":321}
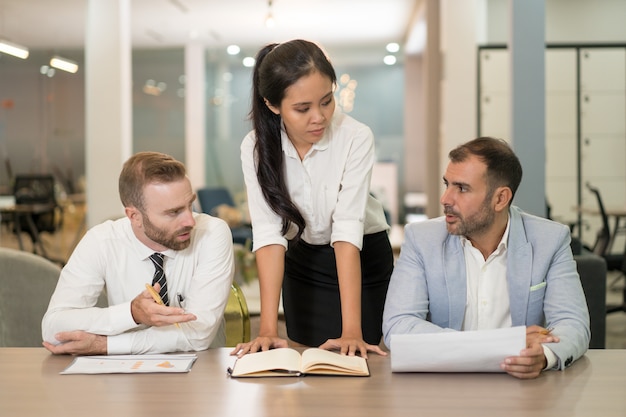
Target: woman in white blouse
{"x":318,"y":233}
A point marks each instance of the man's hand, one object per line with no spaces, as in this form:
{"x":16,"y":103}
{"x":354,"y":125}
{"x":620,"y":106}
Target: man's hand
{"x":531,"y":360}
{"x":537,"y":334}
{"x":528,"y":364}
{"x":78,"y":343}
{"x":147,"y":311}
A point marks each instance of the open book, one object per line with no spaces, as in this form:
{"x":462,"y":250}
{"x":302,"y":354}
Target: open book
{"x":289,"y":362}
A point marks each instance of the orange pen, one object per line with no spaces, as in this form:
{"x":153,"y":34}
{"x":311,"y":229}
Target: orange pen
{"x":157,"y":297}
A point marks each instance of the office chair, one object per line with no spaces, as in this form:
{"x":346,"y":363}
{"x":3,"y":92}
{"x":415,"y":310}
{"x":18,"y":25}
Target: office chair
{"x":38,"y":189}
{"x":212,"y":197}
{"x":575,"y":243}
{"x":236,"y":317}
{"x":603,"y":237}
{"x":619,"y":307}
{"x":27,"y":282}
{"x":592,"y":271}
{"x":614,"y":262}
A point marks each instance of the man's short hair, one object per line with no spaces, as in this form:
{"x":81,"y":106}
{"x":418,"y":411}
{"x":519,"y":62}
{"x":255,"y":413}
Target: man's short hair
{"x":503,"y":166}
{"x":145,"y":168}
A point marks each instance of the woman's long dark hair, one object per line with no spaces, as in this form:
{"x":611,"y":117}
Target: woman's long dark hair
{"x":278,"y":66}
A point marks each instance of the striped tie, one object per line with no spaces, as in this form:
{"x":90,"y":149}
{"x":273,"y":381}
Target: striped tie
{"x":159,"y":276}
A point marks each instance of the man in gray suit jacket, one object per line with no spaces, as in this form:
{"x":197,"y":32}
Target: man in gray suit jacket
{"x":486,"y":264}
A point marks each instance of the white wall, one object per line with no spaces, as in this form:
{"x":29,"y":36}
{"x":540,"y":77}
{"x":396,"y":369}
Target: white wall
{"x":463,"y":27}
{"x":567,"y":21}
{"x":467,"y":24}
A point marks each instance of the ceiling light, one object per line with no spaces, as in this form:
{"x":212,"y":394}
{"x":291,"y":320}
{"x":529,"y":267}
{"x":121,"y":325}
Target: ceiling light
{"x":393,"y":47}
{"x":389,"y":60}
{"x":46,"y":70}
{"x":233,"y":49}
{"x":13,"y":49}
{"x":63,"y":64}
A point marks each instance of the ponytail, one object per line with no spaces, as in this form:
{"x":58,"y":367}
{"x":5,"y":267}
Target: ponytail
{"x":269,"y":153}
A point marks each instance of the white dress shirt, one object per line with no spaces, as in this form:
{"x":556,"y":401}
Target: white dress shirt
{"x":488,"y":305}
{"x":330,"y":187}
{"x":110,"y":257}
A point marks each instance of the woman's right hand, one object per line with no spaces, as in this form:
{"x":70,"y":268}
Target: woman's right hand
{"x":259,"y":344}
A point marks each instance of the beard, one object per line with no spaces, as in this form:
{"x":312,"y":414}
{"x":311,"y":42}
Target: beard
{"x":474,"y":224}
{"x":161,"y":236}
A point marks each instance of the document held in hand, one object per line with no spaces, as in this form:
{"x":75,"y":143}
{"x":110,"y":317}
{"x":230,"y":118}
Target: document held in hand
{"x":289,"y":362}
{"x":456,"y":351}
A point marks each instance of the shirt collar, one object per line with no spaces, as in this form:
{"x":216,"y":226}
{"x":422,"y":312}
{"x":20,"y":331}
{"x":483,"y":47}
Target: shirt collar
{"x":504,"y":242}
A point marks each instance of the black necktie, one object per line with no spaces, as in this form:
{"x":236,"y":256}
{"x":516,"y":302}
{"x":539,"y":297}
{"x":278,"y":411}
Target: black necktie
{"x":159,"y":276}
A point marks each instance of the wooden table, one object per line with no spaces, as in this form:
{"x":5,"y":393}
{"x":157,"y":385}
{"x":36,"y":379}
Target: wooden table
{"x":30,"y":385}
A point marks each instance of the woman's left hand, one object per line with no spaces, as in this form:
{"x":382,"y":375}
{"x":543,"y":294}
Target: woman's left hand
{"x":350,"y":346}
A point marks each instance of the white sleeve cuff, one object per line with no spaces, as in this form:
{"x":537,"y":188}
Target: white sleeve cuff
{"x":121,"y":343}
{"x":550,"y":358}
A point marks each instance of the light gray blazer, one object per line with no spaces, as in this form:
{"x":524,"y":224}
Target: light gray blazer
{"x":427,"y":292}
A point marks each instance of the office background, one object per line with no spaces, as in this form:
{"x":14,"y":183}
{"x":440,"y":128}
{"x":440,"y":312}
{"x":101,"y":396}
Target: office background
{"x":414,"y":113}
{"x":418,"y":108}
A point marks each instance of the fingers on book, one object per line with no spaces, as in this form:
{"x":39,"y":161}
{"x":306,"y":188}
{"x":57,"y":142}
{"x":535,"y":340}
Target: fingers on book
{"x":290,"y":362}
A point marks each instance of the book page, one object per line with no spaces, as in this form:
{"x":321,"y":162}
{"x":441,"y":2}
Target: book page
{"x":130,"y":364}
{"x":320,"y":361}
{"x":273,"y":362}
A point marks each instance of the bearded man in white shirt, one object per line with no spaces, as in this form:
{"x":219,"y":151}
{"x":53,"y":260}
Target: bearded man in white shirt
{"x":486,"y":264}
{"x":115,"y":257}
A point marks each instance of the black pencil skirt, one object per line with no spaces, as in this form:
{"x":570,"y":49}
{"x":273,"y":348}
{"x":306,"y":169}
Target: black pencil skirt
{"x":311,"y":300}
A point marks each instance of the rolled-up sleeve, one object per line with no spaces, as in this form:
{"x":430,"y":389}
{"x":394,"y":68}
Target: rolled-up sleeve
{"x":349,"y":214}
{"x":266,"y":225}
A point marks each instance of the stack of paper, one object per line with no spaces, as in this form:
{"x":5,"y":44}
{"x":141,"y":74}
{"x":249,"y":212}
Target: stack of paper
{"x":467,"y":351}
{"x":129,"y":364}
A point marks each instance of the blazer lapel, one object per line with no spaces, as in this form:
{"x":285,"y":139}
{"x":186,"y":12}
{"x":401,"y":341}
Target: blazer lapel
{"x":456,"y":281}
{"x":519,"y":267}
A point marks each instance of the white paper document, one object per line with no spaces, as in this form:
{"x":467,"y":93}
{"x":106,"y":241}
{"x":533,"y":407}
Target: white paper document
{"x":466,"y":351}
{"x":130,"y":364}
